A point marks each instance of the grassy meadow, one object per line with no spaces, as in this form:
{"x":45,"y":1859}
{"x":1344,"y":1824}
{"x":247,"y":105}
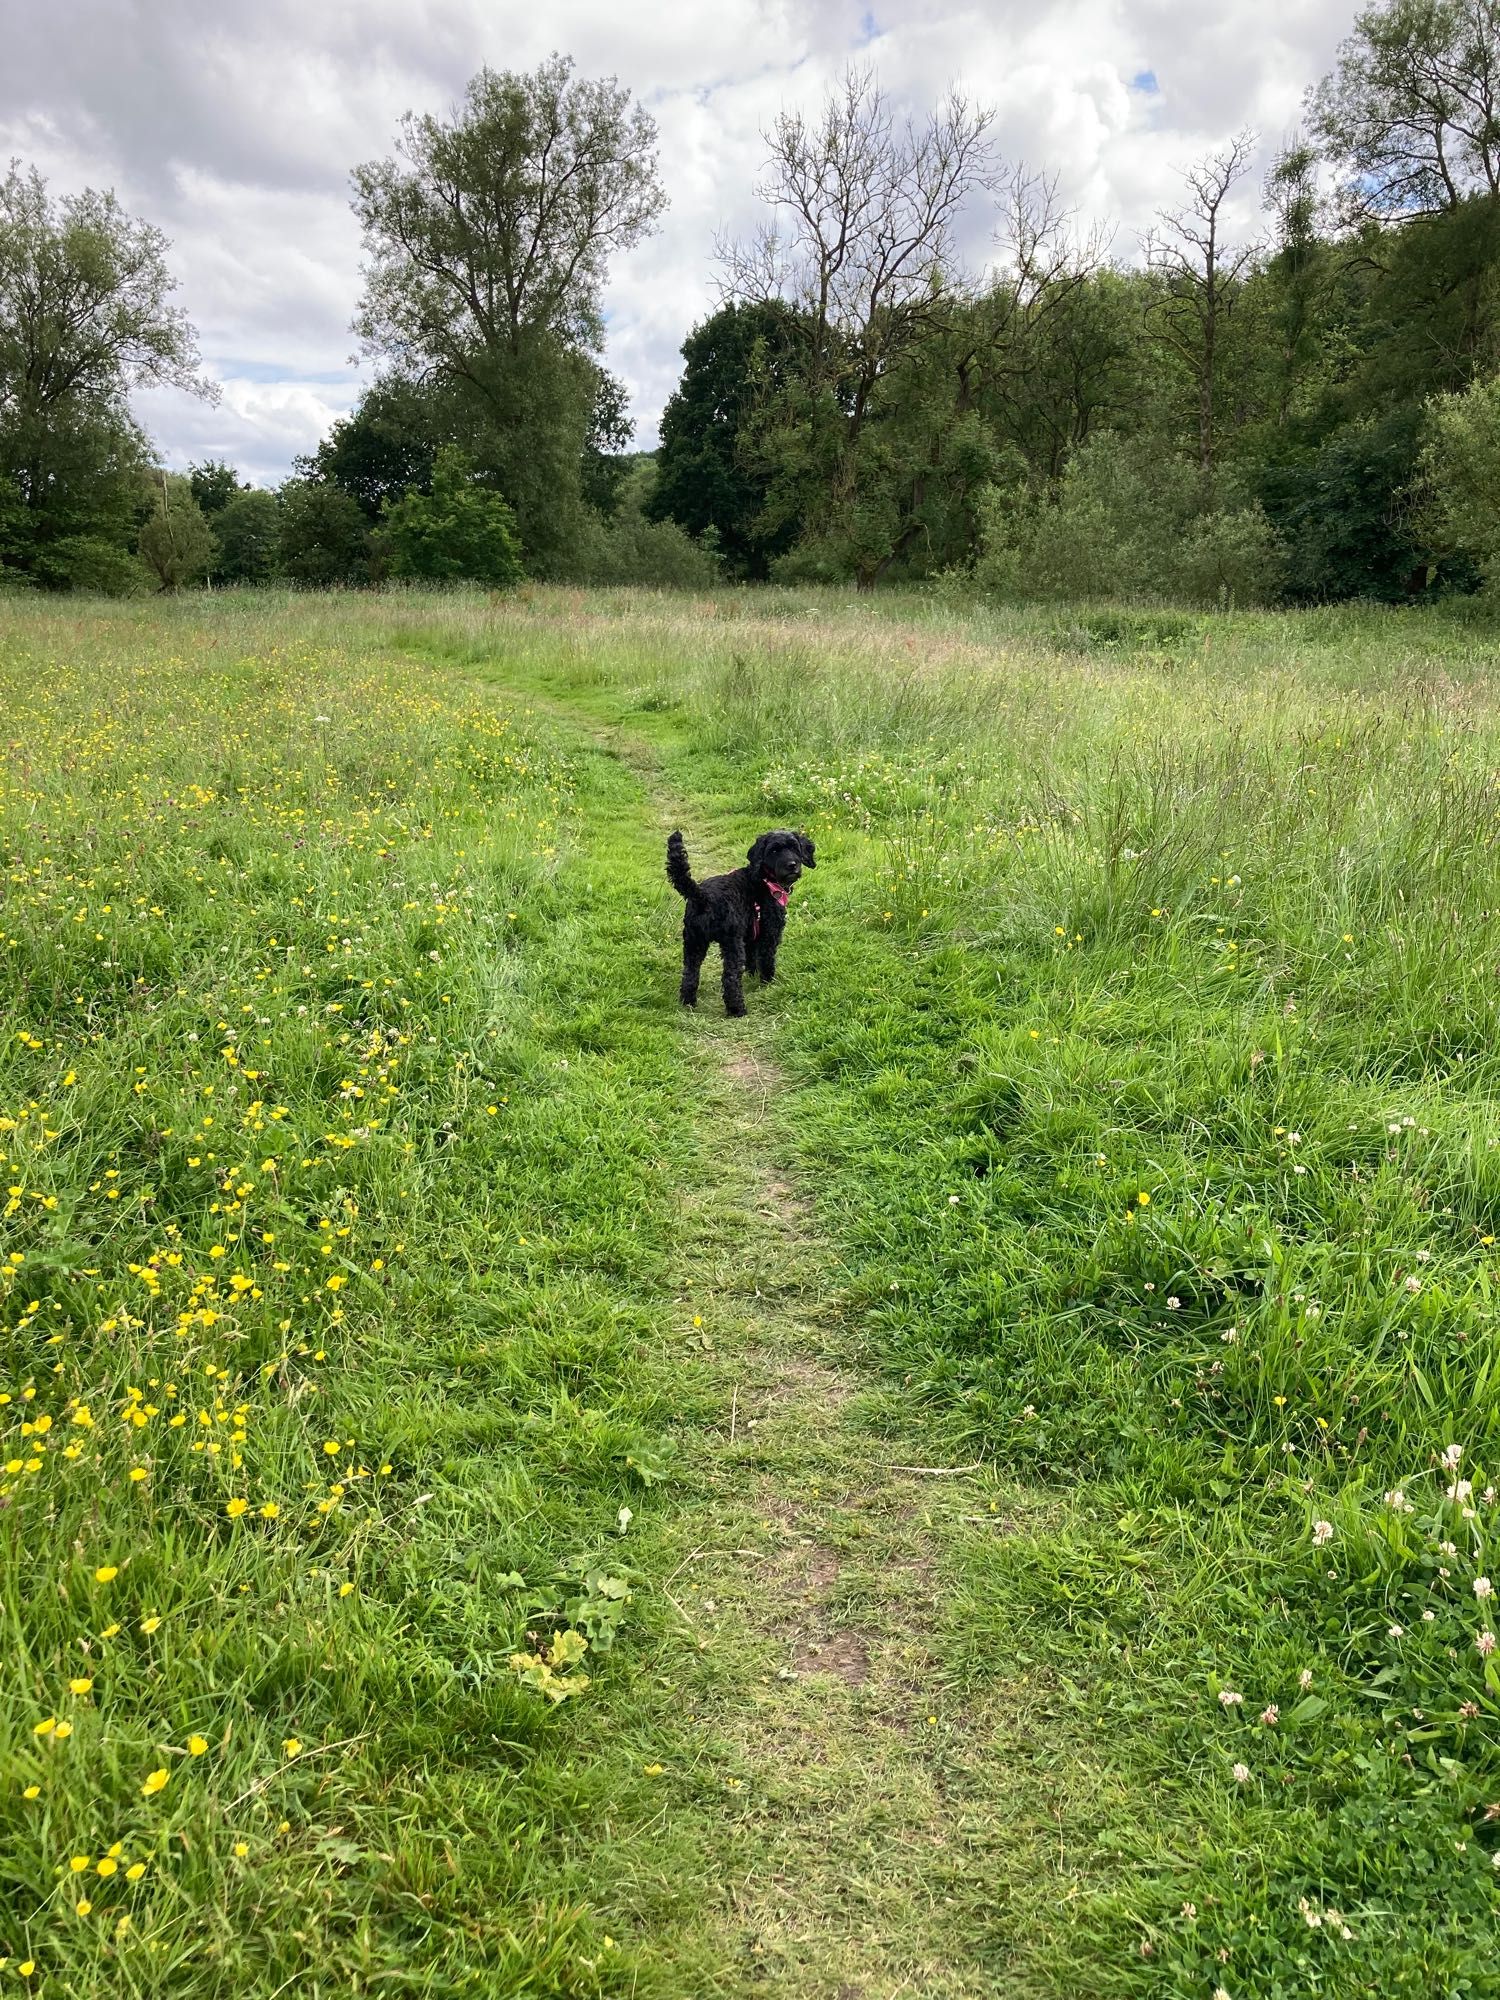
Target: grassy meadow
{"x":428,"y":1355}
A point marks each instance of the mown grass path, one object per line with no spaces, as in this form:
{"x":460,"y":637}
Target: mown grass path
{"x":855,"y":1826}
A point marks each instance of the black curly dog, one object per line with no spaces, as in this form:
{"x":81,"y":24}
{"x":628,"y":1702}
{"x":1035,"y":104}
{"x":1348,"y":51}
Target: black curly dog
{"x":743,"y":913}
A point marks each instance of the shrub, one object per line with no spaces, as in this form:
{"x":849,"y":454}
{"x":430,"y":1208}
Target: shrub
{"x":1129,"y":521}
{"x":460,"y":531}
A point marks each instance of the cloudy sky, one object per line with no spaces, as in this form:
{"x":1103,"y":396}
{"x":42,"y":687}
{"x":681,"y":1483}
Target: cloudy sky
{"x":234,"y":129}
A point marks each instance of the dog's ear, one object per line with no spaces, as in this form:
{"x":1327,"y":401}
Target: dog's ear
{"x":809,"y":859}
{"x":756,"y":858}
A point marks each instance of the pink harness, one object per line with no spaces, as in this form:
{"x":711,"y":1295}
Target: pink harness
{"x":778,"y":895}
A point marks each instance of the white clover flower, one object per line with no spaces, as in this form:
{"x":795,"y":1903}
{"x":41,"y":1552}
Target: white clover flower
{"x":1240,"y":1773}
{"x":1395,"y":1631}
{"x":1451,"y":1455}
{"x":1304,"y":1679}
{"x":1414,"y":1284}
{"x":1483,"y":1588}
{"x":1398,"y":1503}
{"x":1229,"y":1699}
{"x":1461,"y":1489}
{"x":1270,"y":1716}
{"x":1322,"y":1533}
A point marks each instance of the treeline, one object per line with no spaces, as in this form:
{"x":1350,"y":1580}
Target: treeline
{"x":1307,"y":410}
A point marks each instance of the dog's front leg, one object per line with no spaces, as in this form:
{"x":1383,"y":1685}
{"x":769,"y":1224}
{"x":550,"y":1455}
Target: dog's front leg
{"x":733,"y":949}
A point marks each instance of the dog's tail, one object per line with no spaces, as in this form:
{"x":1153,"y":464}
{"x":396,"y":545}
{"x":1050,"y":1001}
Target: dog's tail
{"x":678,"y":872}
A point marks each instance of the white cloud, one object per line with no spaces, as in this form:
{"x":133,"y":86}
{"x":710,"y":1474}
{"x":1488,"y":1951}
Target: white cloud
{"x":237,"y":134}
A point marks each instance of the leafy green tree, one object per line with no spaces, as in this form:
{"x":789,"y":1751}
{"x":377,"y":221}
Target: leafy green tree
{"x":457,"y":532}
{"x":324,"y":537}
{"x":488,"y":240}
{"x":248,"y":531}
{"x":606,"y":460}
{"x":1410,"y":114}
{"x":175,"y":541}
{"x":85,"y":317}
{"x":387,"y":442}
{"x":735,"y":362}
{"x":214,"y":484}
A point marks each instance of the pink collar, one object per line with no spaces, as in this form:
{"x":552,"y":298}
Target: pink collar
{"x":778,"y":894}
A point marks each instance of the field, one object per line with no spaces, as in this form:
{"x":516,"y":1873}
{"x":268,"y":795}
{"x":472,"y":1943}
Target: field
{"x":973,"y":1481}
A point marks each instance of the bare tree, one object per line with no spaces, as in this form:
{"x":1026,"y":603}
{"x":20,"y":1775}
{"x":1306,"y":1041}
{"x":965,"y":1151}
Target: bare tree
{"x":1198,"y":275}
{"x":862,"y":241}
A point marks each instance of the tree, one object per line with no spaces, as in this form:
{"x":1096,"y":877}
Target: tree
{"x":1411,"y":112}
{"x":175,"y":541}
{"x":869,"y":205}
{"x":214,"y":484}
{"x":458,"y":532}
{"x":85,"y":317}
{"x":1198,"y":276}
{"x":324,"y":537}
{"x":386,"y":444}
{"x":735,"y":362}
{"x":248,"y":531}
{"x":488,"y":240}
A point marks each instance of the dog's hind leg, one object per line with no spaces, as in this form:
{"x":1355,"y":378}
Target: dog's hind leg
{"x":694,"y":951}
{"x":733,"y":949}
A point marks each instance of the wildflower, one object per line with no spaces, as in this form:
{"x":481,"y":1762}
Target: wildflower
{"x":1229,"y":1699}
{"x":1144,"y":1199}
{"x":236,"y":1508}
{"x":106,"y":1573}
{"x":1483,"y":1588}
{"x":270,"y":1511}
{"x":1451,"y":1455}
{"x":155,"y":1782}
{"x":1484,"y":1644}
{"x":291,"y":1746}
{"x":241,"y":1849}
{"x":80,"y":1685}
{"x":150,"y":1624}
{"x":135,"y":1871}
{"x":1414,"y":1284}
{"x":79,"y":1862}
{"x":1240,"y":1773}
{"x":197,"y":1745}
{"x":1304,"y":1679}
{"x":1270,"y":1716}
{"x":62,"y":1732}
{"x":1395,"y":1631}
{"x":1398,"y":1503}
{"x":46,"y":1727}
{"x":1322,"y":1533}
{"x":83,"y":1906}
{"x":108,"y":1865}
{"x":32,"y":1792}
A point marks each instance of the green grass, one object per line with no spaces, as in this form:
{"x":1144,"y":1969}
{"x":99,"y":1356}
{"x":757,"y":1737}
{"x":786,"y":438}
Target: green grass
{"x":1138,"y":1064}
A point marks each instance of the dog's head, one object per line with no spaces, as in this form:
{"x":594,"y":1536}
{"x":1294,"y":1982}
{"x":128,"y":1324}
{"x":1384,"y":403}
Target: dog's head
{"x":780,"y":857}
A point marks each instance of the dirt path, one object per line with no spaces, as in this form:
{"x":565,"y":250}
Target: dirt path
{"x":868,"y":1835}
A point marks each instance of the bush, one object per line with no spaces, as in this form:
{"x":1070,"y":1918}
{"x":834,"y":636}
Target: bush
{"x":459,"y":532}
{"x":1460,"y":472}
{"x":1128,"y":522}
{"x":89,"y":562}
{"x":634,"y":549}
